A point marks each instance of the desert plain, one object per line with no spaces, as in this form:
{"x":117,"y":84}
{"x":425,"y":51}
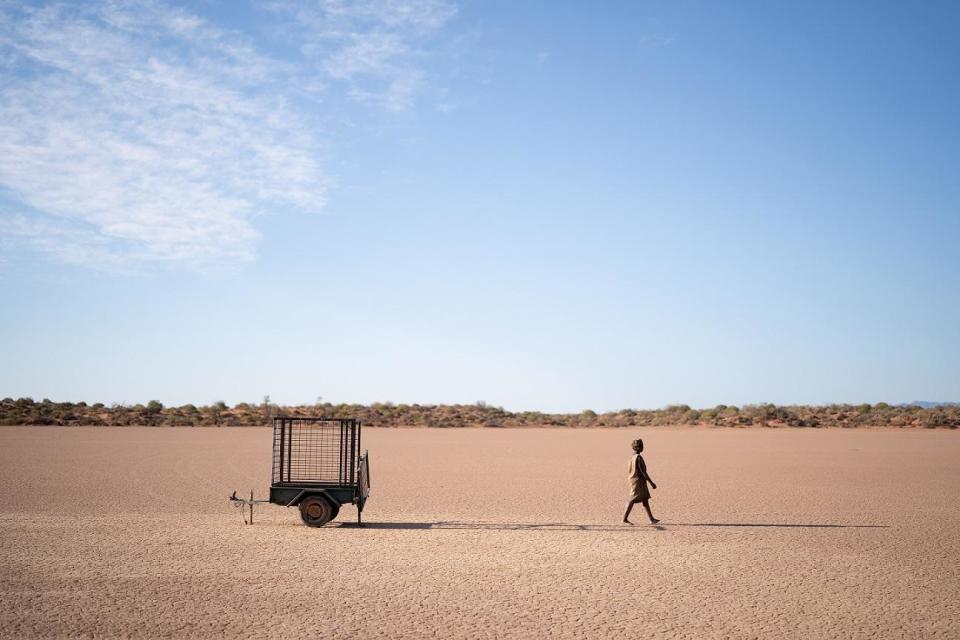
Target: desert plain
{"x":485,"y":533}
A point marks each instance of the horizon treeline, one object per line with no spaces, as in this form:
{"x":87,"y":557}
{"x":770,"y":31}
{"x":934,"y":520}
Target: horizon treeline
{"x":26,"y":411}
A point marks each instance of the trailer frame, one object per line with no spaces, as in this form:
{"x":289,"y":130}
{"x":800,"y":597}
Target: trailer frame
{"x":318,"y":465}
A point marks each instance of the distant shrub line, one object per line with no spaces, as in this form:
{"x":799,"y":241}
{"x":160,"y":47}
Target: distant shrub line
{"x":25,"y":411}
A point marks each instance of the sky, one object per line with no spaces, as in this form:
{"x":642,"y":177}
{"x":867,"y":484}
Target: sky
{"x":541,"y":206}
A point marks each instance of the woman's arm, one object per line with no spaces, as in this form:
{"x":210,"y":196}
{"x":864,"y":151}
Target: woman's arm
{"x":646,"y":474}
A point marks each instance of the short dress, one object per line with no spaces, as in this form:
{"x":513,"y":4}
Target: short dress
{"x":637,"y":477}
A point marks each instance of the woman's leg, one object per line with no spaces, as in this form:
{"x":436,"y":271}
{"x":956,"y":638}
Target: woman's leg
{"x":646,"y":505}
{"x":626,"y":515}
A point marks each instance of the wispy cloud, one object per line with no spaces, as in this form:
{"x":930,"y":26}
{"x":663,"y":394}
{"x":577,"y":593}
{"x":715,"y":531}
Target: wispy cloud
{"x":135,"y":132}
{"x":371,"y":45}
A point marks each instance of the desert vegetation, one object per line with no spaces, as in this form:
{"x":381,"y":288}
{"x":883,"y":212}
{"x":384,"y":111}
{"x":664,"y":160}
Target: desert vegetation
{"x":25,"y":411}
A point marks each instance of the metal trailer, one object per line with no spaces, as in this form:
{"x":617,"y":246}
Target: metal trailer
{"x":317,"y":466}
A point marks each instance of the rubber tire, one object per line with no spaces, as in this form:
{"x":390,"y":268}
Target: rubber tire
{"x":316,"y":511}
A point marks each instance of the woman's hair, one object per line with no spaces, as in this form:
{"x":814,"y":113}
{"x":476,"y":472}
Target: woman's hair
{"x":637,"y":445}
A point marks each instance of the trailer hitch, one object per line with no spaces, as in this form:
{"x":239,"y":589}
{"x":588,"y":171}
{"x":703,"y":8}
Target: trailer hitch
{"x":243,"y":503}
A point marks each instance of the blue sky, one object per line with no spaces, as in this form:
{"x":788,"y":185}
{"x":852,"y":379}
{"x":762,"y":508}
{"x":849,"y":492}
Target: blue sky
{"x":542,"y":207}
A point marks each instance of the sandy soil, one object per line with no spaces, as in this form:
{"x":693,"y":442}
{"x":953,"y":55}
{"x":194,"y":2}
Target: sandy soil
{"x":483,"y":533}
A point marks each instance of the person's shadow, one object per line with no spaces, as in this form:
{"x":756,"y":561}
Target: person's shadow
{"x":563,"y":526}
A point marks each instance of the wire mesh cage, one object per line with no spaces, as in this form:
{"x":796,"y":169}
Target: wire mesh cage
{"x":315,"y":451}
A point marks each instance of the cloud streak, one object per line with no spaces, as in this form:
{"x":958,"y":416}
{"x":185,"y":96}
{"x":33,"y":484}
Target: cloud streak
{"x":371,"y":45}
{"x":135,"y":133}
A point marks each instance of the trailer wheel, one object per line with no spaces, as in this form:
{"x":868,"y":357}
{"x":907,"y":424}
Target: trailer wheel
{"x":316,"y":511}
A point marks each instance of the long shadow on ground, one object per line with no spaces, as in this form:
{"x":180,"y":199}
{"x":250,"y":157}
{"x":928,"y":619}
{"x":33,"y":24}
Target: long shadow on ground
{"x":561,"y":526}
{"x":787,"y":526}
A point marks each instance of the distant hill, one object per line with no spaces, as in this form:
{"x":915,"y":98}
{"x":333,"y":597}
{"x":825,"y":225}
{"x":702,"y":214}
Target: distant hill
{"x":926,"y":404}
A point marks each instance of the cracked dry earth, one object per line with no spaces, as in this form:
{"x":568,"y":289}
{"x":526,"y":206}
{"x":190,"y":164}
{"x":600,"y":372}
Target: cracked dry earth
{"x":485,"y":533}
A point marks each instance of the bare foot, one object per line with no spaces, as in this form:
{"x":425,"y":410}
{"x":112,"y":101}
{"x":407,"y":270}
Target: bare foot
{"x":654,"y":521}
{"x":625,"y":521}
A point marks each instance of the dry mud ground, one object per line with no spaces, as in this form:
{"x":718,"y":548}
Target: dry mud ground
{"x":109,"y":532}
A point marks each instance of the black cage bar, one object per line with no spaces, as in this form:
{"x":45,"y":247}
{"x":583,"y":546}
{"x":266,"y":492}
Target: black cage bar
{"x":315,"y":451}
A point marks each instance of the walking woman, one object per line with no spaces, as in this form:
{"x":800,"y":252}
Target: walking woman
{"x":638,"y":478}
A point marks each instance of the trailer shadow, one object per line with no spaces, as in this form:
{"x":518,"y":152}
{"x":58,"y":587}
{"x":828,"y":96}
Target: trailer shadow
{"x":785,"y":526}
{"x":562,"y":526}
